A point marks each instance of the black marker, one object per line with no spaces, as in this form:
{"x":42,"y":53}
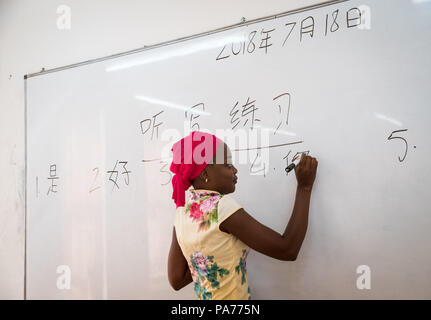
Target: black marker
{"x":291,"y":166}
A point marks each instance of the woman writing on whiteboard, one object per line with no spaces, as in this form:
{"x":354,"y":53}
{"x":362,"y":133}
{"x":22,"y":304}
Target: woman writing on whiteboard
{"x":212,"y":233}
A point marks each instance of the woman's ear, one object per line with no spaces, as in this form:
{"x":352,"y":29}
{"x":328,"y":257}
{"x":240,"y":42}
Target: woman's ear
{"x":206,"y":174}
{"x":203,"y":175}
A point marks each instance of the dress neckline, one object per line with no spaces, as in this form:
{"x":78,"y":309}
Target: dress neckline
{"x":203,"y":190}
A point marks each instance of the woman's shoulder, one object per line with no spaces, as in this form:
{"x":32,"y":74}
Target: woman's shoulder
{"x":227,"y":205}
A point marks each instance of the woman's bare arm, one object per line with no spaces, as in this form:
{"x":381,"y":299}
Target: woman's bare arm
{"x":178,"y":270}
{"x":259,"y":237}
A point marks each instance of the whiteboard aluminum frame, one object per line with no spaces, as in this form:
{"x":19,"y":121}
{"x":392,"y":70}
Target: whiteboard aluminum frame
{"x":166,"y":43}
{"x":162,"y":44}
{"x":25,"y":190}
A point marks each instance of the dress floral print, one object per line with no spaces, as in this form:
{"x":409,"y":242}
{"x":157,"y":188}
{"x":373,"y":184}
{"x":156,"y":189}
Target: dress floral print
{"x":202,"y":268}
{"x":241,"y":267}
{"x":203,"y":209}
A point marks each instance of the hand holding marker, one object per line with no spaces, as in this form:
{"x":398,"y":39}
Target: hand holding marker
{"x":305,"y":170}
{"x":312,"y":162}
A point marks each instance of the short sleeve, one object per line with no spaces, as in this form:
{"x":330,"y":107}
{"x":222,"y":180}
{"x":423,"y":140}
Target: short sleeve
{"x":226,"y":207}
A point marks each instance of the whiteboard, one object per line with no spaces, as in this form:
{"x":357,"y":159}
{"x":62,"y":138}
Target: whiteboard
{"x":353,"y":89}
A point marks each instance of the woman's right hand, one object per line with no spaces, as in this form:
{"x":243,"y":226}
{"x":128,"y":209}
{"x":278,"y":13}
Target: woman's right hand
{"x":305,"y":172}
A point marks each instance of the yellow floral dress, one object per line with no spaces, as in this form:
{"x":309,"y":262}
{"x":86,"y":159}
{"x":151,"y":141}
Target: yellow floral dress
{"x":217,"y":260}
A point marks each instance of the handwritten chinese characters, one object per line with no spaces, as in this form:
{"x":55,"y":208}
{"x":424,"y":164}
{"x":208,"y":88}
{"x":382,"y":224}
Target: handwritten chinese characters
{"x":299,"y":30}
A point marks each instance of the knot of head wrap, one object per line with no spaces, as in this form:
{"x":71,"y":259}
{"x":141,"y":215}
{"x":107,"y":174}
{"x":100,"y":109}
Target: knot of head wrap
{"x":191,"y":155}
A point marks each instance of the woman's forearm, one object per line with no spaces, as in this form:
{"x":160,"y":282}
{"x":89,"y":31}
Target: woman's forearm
{"x":297,"y":226}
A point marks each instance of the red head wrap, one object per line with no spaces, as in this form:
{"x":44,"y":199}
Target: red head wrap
{"x":191,"y":156}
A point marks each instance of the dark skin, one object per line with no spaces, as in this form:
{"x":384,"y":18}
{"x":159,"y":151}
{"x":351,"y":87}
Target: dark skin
{"x":221,"y":177}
